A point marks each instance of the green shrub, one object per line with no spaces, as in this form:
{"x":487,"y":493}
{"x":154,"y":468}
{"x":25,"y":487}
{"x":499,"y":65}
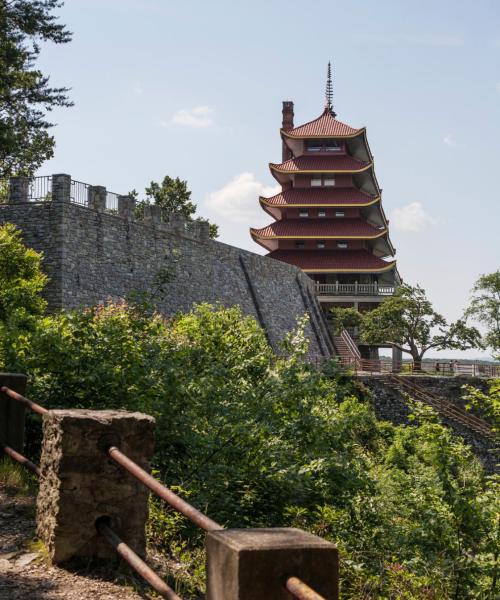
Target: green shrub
{"x":258,"y":440}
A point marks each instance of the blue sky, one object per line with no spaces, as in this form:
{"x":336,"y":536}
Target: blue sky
{"x":194,"y":89}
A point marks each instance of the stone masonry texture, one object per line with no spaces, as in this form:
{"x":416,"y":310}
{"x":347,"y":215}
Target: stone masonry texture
{"x":91,"y":256}
{"x":79,"y":483}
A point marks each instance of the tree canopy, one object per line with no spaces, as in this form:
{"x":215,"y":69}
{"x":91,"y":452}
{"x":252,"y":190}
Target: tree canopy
{"x":173,"y":197}
{"x":408,"y":321}
{"x":25,"y":93}
{"x":485,"y":308}
{"x":21,"y":277}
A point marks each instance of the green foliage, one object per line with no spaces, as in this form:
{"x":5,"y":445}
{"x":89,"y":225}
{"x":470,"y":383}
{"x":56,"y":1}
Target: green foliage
{"x":485,"y":308}
{"x":408,"y":321}
{"x":25,"y":93}
{"x":487,"y":404}
{"x":345,"y":317}
{"x":258,"y":440}
{"x":173,"y":197}
{"x":21,"y":278}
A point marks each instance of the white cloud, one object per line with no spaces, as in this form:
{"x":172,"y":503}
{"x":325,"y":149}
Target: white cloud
{"x":200,"y":117}
{"x":238,"y":200}
{"x":411,"y":217}
{"x":137,"y":88}
{"x":498,"y":87}
{"x":449,"y":140}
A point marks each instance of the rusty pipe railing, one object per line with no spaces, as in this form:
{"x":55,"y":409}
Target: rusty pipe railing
{"x":130,"y":557}
{"x":22,"y":460}
{"x":192,"y":513}
{"x":118,"y":544}
{"x":301,"y":590}
{"x":294,"y":585}
{"x":31,"y":405}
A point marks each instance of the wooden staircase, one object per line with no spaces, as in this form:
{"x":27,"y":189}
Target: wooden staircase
{"x":346,"y":348}
{"x":441,"y":405}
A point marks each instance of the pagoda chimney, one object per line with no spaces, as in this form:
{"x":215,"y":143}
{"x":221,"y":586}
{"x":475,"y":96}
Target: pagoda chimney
{"x":287,"y":124}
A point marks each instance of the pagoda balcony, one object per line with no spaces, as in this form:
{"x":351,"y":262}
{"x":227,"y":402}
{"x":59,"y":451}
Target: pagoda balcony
{"x":354,"y":289}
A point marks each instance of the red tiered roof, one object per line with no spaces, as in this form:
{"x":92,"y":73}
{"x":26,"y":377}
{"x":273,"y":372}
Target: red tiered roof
{"x":321,"y":164}
{"x":324,"y":126}
{"x":333,"y":260}
{"x":320,"y":228}
{"x":334,"y":196}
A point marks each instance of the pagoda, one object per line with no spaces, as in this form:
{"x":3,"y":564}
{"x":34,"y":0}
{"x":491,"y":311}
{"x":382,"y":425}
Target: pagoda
{"x":328,"y":216}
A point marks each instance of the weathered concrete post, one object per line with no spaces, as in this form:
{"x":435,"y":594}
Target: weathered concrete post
{"x":126,"y":207}
{"x":12,"y":412}
{"x":79,"y":484}
{"x":97,"y":197}
{"x":19,"y":190}
{"x":61,"y":188}
{"x":254,"y":564}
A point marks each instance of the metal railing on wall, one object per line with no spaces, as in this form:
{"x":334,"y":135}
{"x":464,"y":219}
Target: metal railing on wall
{"x":40,"y":189}
{"x":293,"y":584}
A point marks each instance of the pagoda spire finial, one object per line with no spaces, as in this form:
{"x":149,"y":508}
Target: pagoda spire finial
{"x":329,"y":91}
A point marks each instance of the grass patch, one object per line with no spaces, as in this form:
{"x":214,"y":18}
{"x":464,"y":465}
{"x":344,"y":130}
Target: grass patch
{"x":15,"y":477}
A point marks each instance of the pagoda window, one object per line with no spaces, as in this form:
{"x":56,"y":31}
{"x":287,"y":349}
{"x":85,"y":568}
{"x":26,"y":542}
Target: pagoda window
{"x":316,"y":181}
{"x":313,"y":146}
{"x":300,"y":244}
{"x":321,"y":213}
{"x":342,"y":245}
{"x":321,"y":245}
{"x":303,"y":213}
{"x":333,"y":146}
{"x":339,"y":213}
{"x":329,"y":181}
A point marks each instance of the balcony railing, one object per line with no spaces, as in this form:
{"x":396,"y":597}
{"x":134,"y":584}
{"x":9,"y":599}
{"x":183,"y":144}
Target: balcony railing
{"x":354,"y":289}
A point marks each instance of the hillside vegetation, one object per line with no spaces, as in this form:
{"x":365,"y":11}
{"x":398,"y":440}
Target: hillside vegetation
{"x":255,"y":439}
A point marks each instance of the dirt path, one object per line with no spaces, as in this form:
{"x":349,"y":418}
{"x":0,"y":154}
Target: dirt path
{"x":24,"y":575}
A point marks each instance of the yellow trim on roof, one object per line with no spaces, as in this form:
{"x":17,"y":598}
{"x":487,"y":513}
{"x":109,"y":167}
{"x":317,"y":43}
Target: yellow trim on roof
{"x":273,"y":167}
{"x":262,"y":200}
{"x":312,"y":137}
{"x":388,"y":268}
{"x":317,"y":237}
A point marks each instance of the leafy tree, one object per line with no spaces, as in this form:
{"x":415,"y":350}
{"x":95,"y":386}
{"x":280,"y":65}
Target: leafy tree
{"x":25,"y":93}
{"x":408,"y":321}
{"x":173,"y":197}
{"x":21,"y":278}
{"x":345,"y":317}
{"x":485,"y":308}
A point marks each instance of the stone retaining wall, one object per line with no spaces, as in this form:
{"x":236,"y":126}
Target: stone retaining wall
{"x":91,"y":256}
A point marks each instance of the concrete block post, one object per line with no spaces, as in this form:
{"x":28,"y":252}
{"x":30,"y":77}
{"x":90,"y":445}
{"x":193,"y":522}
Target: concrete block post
{"x":19,"y":190}
{"x":61,"y":188}
{"x":254,"y":564}
{"x":152,"y":214}
{"x":12,"y":412}
{"x":79,"y":484}
{"x":126,"y":207}
{"x":97,"y":198}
